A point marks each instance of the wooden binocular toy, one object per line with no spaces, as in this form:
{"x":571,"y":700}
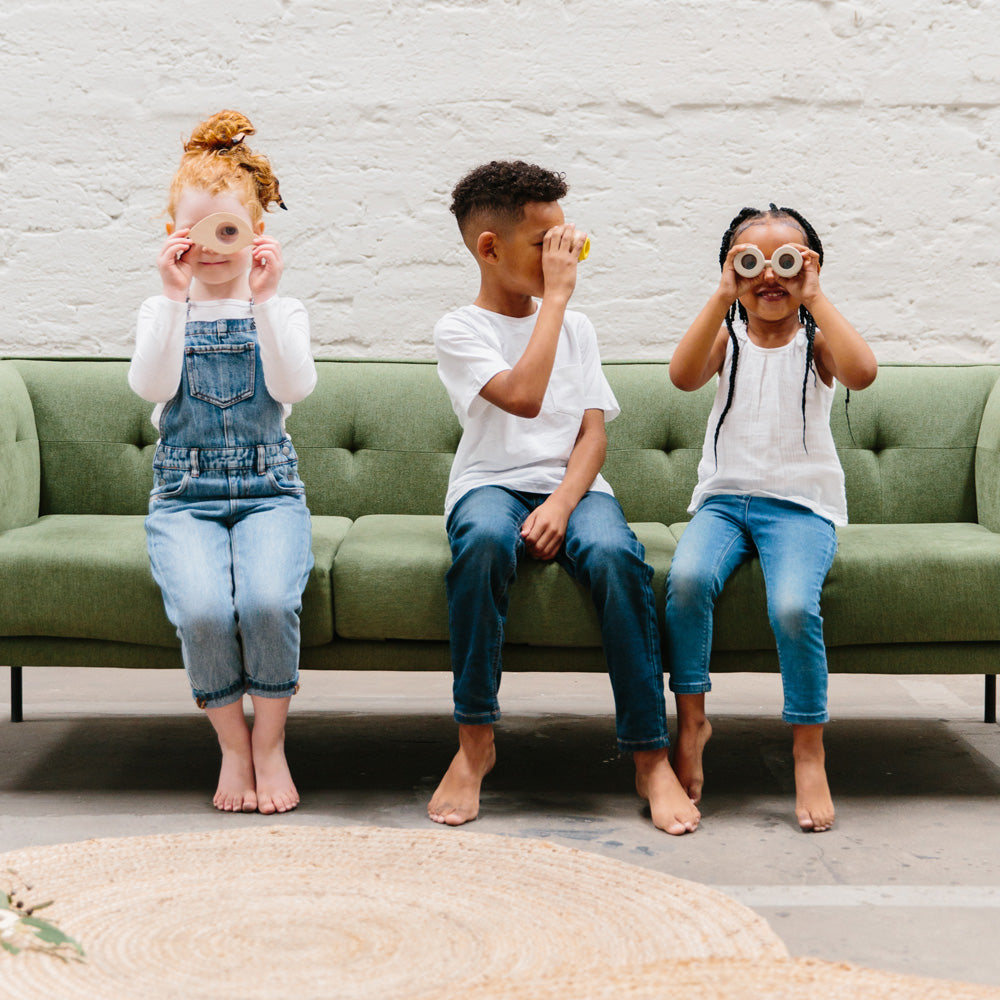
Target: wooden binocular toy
{"x":786,"y":262}
{"x":222,"y":233}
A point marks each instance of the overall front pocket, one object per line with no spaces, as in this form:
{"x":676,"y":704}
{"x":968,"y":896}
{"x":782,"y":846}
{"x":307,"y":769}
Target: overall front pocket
{"x":221,"y":374}
{"x":285,"y":479}
{"x":168,"y":483}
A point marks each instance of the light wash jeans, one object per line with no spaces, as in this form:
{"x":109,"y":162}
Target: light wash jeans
{"x":232,"y":574}
{"x":796,"y":549}
{"x":600,"y":550}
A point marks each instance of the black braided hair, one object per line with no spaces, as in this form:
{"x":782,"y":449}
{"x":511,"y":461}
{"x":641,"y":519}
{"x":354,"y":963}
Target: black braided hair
{"x":805,"y":317}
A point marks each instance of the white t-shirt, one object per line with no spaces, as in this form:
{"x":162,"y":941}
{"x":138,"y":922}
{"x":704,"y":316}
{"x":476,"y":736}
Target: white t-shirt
{"x":761,"y":453}
{"x":497,"y":447}
{"x":282,"y":333}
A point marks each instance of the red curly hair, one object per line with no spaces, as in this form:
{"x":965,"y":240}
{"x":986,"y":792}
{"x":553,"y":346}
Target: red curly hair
{"x":217,"y":160}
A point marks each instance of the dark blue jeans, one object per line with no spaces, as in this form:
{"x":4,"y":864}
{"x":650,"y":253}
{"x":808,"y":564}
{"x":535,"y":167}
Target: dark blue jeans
{"x":600,"y":551}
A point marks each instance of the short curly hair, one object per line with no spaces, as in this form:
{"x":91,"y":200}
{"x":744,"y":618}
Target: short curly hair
{"x":496,"y":192}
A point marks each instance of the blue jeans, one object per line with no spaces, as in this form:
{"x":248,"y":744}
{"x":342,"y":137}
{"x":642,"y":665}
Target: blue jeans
{"x":232,"y":572}
{"x":600,"y":550}
{"x":796,"y":549}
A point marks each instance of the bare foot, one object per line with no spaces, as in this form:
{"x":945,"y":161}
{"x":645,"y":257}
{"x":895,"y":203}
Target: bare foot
{"x":671,"y":808}
{"x":456,"y":800}
{"x":813,"y":801}
{"x":236,"y":791}
{"x":693,"y":732}
{"x":276,"y":792}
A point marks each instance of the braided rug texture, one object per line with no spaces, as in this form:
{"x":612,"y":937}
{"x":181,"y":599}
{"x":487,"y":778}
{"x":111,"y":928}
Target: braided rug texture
{"x":361,"y":912}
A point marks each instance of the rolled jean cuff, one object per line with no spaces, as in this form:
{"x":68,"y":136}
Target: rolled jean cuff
{"x":804,"y":719}
{"x":284,"y":690}
{"x":694,"y":687}
{"x":479,"y":719}
{"x":631,"y":746}
{"x":218,"y":699}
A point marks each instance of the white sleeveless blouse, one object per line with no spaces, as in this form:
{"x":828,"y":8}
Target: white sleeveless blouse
{"x":760,"y":450}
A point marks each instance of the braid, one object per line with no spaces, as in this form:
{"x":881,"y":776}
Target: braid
{"x":736,"y":308}
{"x":805,"y":318}
{"x":732,"y":378}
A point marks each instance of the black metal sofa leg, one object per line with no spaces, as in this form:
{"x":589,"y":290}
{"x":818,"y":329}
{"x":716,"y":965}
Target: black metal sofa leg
{"x":17,"y":695}
{"x":990,"y":708}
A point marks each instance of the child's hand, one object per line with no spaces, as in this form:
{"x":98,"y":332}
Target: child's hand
{"x":732,"y":284}
{"x":803,"y":286}
{"x":560,"y":254}
{"x":544,"y":529}
{"x":175,"y":271}
{"x":266,"y":268}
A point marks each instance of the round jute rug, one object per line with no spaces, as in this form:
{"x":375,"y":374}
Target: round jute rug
{"x":737,"y":979}
{"x":303,"y":912}
{"x":311,"y":912}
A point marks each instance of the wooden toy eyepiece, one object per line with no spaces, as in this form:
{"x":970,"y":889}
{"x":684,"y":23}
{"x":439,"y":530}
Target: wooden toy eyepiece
{"x":749,"y":262}
{"x":222,"y":233}
{"x":584,"y":250}
{"x":786,"y":261}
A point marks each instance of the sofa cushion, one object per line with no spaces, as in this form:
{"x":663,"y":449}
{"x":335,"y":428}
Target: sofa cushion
{"x":87,"y":576}
{"x":389,"y":581}
{"x":889,"y":583}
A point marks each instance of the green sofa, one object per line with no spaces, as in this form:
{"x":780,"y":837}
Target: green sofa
{"x":915,"y":586}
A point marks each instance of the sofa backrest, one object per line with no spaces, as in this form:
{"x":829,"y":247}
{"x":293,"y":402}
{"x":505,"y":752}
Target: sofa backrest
{"x":379,"y":436}
{"x":908,"y":455}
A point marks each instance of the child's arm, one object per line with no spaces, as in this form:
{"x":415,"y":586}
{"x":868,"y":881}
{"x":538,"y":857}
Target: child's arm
{"x":155,"y":371}
{"x":544,"y":528}
{"x":841,"y":352}
{"x":285,"y":353}
{"x":520,"y":390}
{"x":702,"y":350}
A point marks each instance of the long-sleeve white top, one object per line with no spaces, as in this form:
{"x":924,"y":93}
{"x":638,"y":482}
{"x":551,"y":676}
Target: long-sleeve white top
{"x":282,"y":334}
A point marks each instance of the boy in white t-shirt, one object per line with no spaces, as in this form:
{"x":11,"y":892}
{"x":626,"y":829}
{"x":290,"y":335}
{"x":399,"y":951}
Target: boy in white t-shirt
{"x":525,"y":380}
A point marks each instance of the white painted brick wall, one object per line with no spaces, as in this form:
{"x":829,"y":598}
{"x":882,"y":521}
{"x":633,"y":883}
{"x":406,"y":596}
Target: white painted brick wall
{"x":879,"y":120}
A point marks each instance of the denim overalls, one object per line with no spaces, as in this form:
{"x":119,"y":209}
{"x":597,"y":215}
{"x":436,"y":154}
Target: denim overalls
{"x":228,"y":529}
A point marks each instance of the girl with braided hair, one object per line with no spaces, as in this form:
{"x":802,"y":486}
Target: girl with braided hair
{"x":223,"y":357}
{"x":769,"y":481}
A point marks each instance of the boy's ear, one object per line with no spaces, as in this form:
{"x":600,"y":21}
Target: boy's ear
{"x":259,"y":228}
{"x":486,"y":247}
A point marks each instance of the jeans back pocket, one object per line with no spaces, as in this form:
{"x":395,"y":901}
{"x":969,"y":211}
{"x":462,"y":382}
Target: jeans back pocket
{"x":221,"y":374}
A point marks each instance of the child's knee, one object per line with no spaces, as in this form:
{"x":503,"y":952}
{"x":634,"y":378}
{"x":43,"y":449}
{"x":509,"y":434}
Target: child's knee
{"x":206,"y":620}
{"x":793,"y":617}
{"x":688,"y":585}
{"x":485,"y":545}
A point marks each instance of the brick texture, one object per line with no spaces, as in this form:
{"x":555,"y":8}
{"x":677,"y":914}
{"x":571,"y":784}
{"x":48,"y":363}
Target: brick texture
{"x":879,"y":120}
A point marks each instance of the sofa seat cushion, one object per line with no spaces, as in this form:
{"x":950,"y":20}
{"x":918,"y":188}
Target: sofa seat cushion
{"x":389,"y":582}
{"x":87,"y":576}
{"x":889,"y":583}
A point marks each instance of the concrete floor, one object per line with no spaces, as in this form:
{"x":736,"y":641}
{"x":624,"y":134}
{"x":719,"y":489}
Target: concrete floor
{"x":908,"y":880}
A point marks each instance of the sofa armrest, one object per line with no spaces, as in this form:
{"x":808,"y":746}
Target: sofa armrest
{"x":988,"y":463}
{"x":20,"y":469}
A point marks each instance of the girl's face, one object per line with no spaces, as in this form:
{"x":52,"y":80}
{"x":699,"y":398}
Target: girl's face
{"x":767,"y":298}
{"x":214,"y":275}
